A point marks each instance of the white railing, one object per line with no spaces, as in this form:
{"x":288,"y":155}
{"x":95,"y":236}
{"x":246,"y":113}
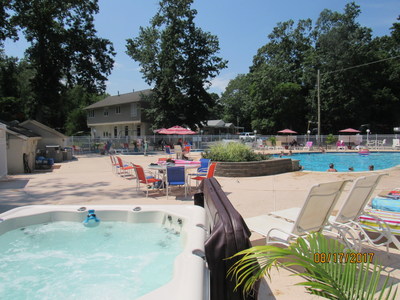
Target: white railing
{"x":154,"y":142}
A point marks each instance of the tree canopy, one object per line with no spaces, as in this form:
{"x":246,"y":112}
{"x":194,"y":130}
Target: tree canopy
{"x":179,"y":59}
{"x":359,"y":77}
{"x":64,"y":52}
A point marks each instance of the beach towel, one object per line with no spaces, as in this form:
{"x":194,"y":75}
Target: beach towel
{"x":384,"y":203}
{"x":391,"y":218}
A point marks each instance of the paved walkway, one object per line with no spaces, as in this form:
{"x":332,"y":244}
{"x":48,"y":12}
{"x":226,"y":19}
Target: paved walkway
{"x":90,"y":180}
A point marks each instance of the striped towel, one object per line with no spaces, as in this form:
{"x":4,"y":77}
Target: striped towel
{"x":391,"y":218}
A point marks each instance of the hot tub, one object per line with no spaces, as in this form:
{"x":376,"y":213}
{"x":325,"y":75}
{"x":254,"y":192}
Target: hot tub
{"x":189,"y":279}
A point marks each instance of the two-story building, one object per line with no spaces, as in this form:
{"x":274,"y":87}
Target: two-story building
{"x":119,"y":116}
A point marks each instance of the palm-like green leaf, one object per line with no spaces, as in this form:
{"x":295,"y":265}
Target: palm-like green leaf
{"x":338,"y":279}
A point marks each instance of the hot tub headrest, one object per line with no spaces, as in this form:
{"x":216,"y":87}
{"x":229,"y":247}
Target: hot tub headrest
{"x":229,"y":234}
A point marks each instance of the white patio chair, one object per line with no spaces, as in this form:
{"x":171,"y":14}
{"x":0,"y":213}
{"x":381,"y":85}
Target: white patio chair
{"x":312,"y":217}
{"x":178,"y":151}
{"x":381,"y":144}
{"x":396,"y":143}
{"x":371,"y":144}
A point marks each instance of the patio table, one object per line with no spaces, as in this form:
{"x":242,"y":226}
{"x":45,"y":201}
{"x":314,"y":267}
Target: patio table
{"x":162,"y":168}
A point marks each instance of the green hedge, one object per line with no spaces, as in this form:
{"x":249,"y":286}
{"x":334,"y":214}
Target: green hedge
{"x":233,"y":152}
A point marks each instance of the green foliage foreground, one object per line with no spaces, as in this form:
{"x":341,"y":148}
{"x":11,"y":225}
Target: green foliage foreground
{"x":233,"y":152}
{"x":341,"y":278}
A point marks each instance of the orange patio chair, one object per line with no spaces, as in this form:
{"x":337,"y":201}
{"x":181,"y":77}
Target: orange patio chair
{"x":146,"y":180}
{"x":124,"y":169}
{"x":210,"y":173}
{"x":114,"y":164}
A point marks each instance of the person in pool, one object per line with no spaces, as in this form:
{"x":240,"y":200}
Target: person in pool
{"x":331,"y":168}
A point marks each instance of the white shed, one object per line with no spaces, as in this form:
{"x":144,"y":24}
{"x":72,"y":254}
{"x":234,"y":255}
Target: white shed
{"x":21,"y":149}
{"x":3,"y":151}
{"x":49,"y":135}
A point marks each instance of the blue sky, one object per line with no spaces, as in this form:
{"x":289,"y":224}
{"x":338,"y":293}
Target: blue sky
{"x":242,"y":27}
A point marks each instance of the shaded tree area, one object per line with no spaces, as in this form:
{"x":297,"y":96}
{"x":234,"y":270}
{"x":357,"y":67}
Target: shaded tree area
{"x":179,"y":59}
{"x":65,"y":54}
{"x":359,"y":77}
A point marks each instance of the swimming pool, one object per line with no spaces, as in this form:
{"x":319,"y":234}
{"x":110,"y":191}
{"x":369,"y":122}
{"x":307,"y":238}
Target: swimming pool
{"x":342,"y":161}
{"x":40,"y":240}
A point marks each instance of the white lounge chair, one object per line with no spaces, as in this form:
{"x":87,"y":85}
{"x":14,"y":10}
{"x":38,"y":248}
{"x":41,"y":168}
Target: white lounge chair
{"x":346,"y":224}
{"x":396,"y":143}
{"x":313,"y":216}
{"x":346,"y":220}
{"x":381,"y":144}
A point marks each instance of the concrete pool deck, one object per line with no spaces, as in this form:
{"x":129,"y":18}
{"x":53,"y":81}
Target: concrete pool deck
{"x":89,"y":180}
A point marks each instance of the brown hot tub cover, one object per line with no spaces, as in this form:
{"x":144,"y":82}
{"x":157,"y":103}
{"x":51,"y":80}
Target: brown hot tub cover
{"x":228,"y":234}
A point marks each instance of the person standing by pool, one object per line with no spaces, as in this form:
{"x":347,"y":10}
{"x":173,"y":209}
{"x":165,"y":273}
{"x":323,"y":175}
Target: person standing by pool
{"x":371,"y":167}
{"x":331,"y":168}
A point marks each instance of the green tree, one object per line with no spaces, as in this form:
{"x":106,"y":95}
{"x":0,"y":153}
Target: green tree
{"x":77,"y":99}
{"x":64,"y":52}
{"x":15,"y":91}
{"x":280,"y":83}
{"x":236,"y":101}
{"x":179,"y":59}
{"x":7,"y":30}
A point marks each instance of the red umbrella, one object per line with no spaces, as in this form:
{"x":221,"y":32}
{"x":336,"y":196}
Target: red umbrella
{"x":176,"y":130}
{"x":349,"y":130}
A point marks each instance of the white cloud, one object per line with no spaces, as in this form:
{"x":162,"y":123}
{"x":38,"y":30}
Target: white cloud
{"x":118,"y":66}
{"x":219,"y":84}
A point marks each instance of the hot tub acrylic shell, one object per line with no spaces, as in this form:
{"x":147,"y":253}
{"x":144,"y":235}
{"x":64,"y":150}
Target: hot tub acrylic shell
{"x":190,"y":275}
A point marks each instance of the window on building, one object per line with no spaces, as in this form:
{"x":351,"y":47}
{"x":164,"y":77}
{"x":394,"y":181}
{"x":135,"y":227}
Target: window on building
{"x":118,"y":109}
{"x":105,"y":112}
{"x":138,"y":131}
{"x":126,"y":130}
{"x":115,"y":131}
{"x":133,"y":109}
{"x":91,"y":113}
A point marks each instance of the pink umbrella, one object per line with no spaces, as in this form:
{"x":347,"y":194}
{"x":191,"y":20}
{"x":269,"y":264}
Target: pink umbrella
{"x":287,"y":131}
{"x":349,"y":130}
{"x":176,"y":130}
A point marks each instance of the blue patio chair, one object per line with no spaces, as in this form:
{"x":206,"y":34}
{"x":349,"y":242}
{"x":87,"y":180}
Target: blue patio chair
{"x":176,"y":176}
{"x":204,"y":163}
{"x":168,"y":151}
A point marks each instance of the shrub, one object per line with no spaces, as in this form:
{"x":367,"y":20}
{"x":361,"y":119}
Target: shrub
{"x":272,"y":139}
{"x":233,"y":152}
{"x":330,"y":139}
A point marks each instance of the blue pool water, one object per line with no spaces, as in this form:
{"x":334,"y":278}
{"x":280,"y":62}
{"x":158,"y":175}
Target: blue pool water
{"x":66,"y":260}
{"x":342,"y":161}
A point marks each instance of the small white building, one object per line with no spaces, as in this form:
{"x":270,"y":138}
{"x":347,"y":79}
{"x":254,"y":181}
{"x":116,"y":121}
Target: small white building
{"x":21,"y":149}
{"x":3,"y":151}
{"x":49,"y":135}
